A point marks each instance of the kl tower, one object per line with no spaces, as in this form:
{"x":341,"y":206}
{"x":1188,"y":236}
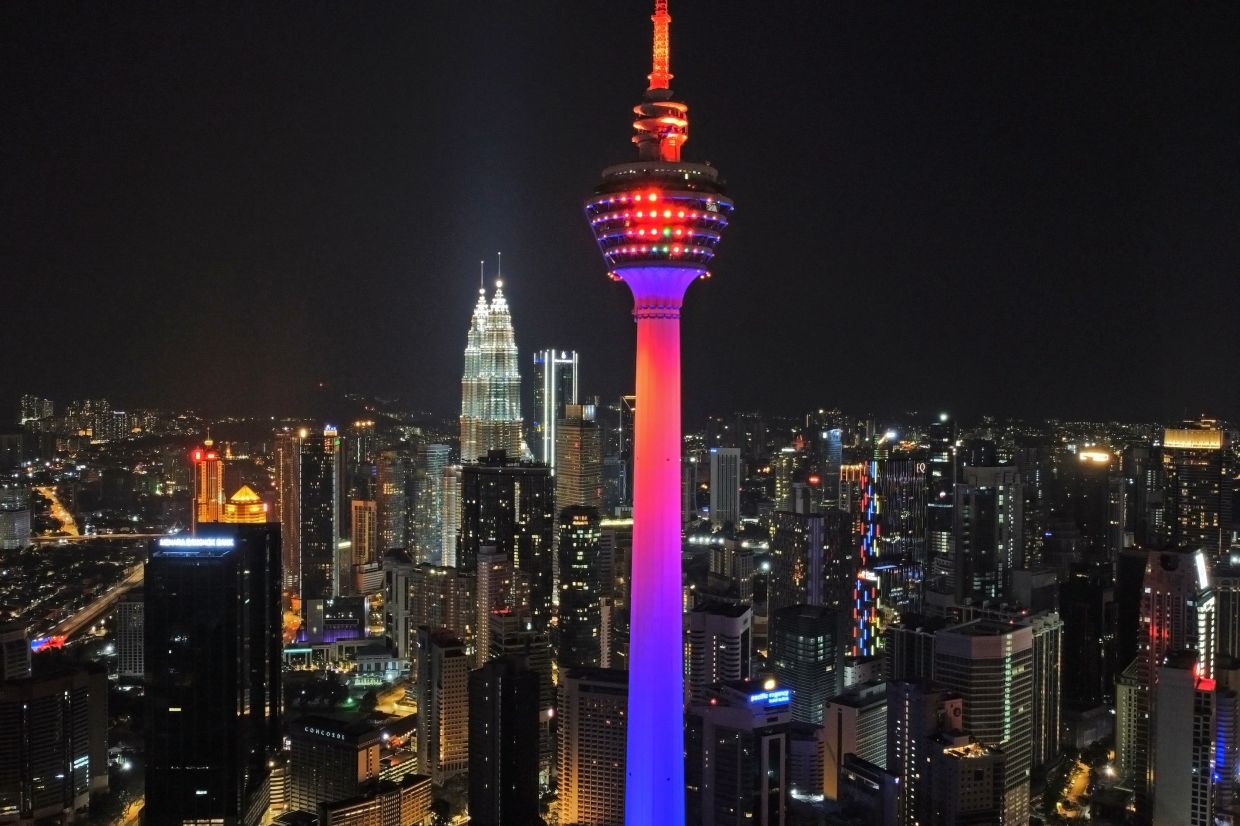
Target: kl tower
{"x":657,"y":221}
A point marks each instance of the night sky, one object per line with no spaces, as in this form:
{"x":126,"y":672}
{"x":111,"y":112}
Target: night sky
{"x":1021,"y":209}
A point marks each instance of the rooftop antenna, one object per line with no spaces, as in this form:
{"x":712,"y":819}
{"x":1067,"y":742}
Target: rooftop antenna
{"x":499,"y":270}
{"x":660,"y":73}
{"x":482,"y":287}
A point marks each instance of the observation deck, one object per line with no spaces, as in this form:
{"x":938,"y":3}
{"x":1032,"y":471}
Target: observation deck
{"x":660,"y":214}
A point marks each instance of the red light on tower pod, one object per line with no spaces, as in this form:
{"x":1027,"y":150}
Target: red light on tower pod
{"x":197,"y":455}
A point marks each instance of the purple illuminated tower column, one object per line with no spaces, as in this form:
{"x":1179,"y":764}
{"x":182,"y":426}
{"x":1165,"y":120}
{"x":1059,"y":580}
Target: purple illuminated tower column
{"x":657,"y":221}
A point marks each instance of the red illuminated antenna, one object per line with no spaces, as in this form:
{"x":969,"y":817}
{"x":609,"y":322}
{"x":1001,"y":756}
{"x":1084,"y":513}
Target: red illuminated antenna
{"x":661,"y":73}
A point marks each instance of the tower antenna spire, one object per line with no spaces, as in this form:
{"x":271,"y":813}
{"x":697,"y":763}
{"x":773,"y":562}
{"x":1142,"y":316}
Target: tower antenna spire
{"x":661,"y":71}
{"x":482,"y":275}
{"x":499,"y":269}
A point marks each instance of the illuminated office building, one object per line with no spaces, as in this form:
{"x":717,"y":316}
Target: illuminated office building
{"x":34,"y":408}
{"x":245,"y":507}
{"x":1184,"y":771}
{"x":443,"y":705}
{"x":720,"y":647}
{"x":213,"y":697}
{"x":131,"y":636}
{"x":555,"y":387}
{"x":364,"y":541}
{"x":579,"y":458}
{"x":14,"y":517}
{"x":990,"y":664}
{"x":491,"y":385}
{"x":427,"y":523}
{"x":657,"y":222}
{"x":287,"y":458}
{"x":812,"y":560}
{"x":593,"y":724}
{"x":1177,"y":614}
{"x":1200,"y":480}
{"x":392,"y":506}
{"x":855,"y":722}
{"x":330,"y":760}
{"x":208,"y":483}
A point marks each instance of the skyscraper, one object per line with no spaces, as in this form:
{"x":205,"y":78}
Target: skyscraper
{"x":720,"y":647}
{"x":657,"y":222}
{"x":1184,"y":769}
{"x":807,"y":655}
{"x":989,"y":537}
{"x":581,"y":587}
{"x":725,"y":486}
{"x":443,"y":705}
{"x":503,"y":744}
{"x":491,"y":384}
{"x":579,"y":459}
{"x":213,"y":653}
{"x":555,"y":387}
{"x":509,"y":505}
{"x":318,"y":510}
{"x":593,"y":726}
{"x":1197,"y":467}
{"x":53,"y":745}
{"x":392,"y":506}
{"x":287,"y":450}
{"x":736,"y":755}
{"x":1177,"y":614}
{"x":428,"y":505}
{"x":208,"y":483}
{"x":990,"y":664}
{"x":812,"y":560}
{"x":131,"y":636}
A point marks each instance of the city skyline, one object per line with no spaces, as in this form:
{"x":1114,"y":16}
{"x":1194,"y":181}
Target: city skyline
{"x":1030,"y":210}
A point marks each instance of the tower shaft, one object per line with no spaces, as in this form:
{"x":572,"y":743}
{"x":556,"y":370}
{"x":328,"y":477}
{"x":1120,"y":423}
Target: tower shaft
{"x":655,"y":790}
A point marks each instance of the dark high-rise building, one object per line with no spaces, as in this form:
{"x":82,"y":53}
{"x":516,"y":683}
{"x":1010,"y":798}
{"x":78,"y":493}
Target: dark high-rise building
{"x":1087,"y":605}
{"x":807,"y":655}
{"x":503,"y":744}
{"x":581,"y":587}
{"x":1197,"y":464}
{"x":618,"y":454}
{"x":53,"y":744}
{"x":330,"y":760}
{"x":510,"y":505}
{"x":813,"y":561}
{"x":989,"y":536}
{"x":555,"y":387}
{"x":213,"y":658}
{"x":287,"y":460}
{"x":736,"y":755}
{"x":318,"y":510}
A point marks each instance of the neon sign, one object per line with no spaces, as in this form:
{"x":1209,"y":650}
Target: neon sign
{"x":197,"y":542}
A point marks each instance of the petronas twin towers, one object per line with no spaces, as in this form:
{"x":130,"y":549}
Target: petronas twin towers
{"x":491,"y":386}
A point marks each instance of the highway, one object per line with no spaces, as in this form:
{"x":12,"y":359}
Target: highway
{"x":99,"y":608}
{"x":68,"y":525}
{"x":114,"y":537}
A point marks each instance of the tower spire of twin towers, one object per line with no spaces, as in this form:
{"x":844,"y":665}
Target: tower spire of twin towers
{"x":499,"y":273}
